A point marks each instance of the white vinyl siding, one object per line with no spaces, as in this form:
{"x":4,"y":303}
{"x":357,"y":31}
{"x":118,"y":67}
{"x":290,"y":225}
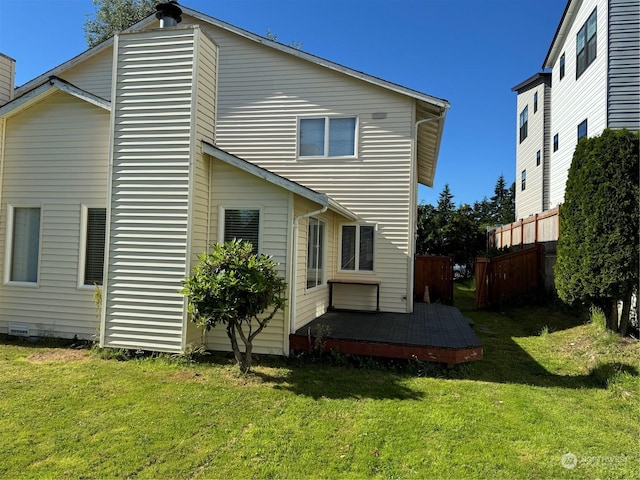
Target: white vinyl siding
{"x":234,"y":188}
{"x":312,"y":302}
{"x":148,"y":240}
{"x":577,"y":99}
{"x":206,"y":72}
{"x":55,"y":156}
{"x":93,"y":74}
{"x":531,"y":200}
{"x":264,"y":92}
{"x":7,"y":76}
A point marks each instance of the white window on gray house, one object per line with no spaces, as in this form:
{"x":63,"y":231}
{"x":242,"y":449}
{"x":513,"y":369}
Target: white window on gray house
{"x":523,"y":180}
{"x":357,"y":248}
{"x":25,"y":244}
{"x":538,"y":158}
{"x":524,"y":123}
{"x":96,"y":219}
{"x":582,"y":129}
{"x":586,"y":44}
{"x":562,"y":66}
{"x":535,"y":102}
{"x":327,"y":137}
{"x":315,"y":252}
{"x":244,"y":225}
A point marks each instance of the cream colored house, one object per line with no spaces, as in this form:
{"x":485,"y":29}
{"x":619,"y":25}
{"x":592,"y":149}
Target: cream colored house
{"x":120,"y":166}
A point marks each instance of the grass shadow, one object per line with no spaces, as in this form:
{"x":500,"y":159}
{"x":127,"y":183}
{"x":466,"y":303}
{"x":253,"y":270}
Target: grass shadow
{"x":506,"y":361}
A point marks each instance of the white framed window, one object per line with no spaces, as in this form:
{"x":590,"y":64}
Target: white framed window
{"x":327,"y":136}
{"x":316,"y":250}
{"x":241,"y":224}
{"x":357,"y":248}
{"x":93,"y":223}
{"x":22,"y":264}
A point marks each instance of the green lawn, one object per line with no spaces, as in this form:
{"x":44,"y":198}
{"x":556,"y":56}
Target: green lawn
{"x":548,"y":386}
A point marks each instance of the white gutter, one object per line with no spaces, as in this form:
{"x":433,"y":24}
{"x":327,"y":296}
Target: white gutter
{"x":294,"y":256}
{"x":414,"y":205}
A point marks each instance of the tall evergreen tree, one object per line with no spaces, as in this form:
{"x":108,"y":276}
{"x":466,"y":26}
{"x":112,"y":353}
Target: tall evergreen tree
{"x":598,"y":250}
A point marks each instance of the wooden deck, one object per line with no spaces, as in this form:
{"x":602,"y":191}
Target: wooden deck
{"x":433,"y":332}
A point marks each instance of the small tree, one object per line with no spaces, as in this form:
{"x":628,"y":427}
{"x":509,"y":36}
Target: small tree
{"x":232,"y":286}
{"x":113,"y":16}
{"x":598,"y":248}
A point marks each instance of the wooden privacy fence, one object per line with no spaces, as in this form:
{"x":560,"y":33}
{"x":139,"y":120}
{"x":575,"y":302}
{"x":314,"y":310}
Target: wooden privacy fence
{"x":435,"y":273}
{"x":509,"y":276}
{"x":539,"y":228}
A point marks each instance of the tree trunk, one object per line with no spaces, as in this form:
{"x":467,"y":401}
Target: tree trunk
{"x":612,"y":315}
{"x":624,"y":317}
{"x":248,"y":359}
{"x":231,"y":333}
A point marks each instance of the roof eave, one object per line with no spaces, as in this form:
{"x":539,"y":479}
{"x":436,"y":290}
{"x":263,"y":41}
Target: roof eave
{"x":321,"y":199}
{"x":46,"y":88}
{"x":561,"y":33}
{"x":317,"y":60}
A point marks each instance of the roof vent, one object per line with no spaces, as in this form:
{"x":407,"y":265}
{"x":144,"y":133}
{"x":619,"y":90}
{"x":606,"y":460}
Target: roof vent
{"x":168,"y":13}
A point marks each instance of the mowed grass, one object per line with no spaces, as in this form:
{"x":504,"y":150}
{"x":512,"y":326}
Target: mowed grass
{"x":549,"y":386}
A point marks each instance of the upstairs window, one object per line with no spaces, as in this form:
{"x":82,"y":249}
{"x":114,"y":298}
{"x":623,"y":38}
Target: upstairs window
{"x":586,"y":44}
{"x":535,"y":102}
{"x":315,"y":253}
{"x":25,"y":244}
{"x":94,"y":241}
{"x":582,"y":130}
{"x":327,"y":137}
{"x":561,"y":66}
{"x":357,"y":248}
{"x":538,"y":158}
{"x":556,"y":142}
{"x":524,"y":123}
{"x":244,"y":225}
{"x":523,"y":180}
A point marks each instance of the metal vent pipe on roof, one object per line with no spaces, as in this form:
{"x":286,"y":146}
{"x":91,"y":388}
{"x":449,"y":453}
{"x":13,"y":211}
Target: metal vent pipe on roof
{"x":168,"y":13}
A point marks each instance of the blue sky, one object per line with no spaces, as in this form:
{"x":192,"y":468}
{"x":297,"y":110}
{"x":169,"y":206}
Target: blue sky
{"x":469,"y":52}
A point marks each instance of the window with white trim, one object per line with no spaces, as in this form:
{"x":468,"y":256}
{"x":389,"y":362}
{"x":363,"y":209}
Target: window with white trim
{"x":24,"y":239}
{"x":92,"y":260}
{"x":242,"y":224}
{"x":327,"y":137}
{"x":357,"y":248}
{"x":315,"y":252}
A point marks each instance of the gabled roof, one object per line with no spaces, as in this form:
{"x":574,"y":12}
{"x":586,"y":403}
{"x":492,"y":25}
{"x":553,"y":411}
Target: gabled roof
{"x":562,"y":31}
{"x":46,"y":88}
{"x":321,"y":199}
{"x":429,"y":134}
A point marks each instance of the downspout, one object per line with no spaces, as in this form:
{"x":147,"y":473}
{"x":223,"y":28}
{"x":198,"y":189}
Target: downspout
{"x":414,"y":205}
{"x":293,"y":271}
